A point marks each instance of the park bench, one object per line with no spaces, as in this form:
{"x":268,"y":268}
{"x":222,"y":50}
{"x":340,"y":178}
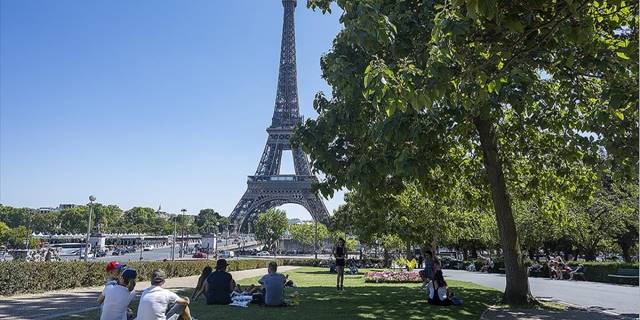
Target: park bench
{"x":626,"y":274}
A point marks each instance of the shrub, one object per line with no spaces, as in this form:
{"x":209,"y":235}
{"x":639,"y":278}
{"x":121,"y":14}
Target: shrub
{"x":29,"y":277}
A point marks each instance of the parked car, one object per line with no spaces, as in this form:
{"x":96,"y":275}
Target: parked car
{"x":226,"y":254}
{"x":147,"y":248}
{"x":89,"y":256}
{"x":101,"y":253}
{"x":199,"y":255}
{"x":263,"y":254}
{"x":451,"y":263}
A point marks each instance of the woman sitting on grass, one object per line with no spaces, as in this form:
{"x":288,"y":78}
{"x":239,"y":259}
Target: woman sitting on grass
{"x":203,"y":277}
{"x":438,"y":291}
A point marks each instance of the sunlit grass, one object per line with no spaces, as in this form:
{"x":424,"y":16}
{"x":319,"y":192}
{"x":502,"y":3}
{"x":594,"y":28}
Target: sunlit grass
{"x":320,"y":300}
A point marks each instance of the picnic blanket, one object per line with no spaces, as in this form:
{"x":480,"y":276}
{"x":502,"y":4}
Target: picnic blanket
{"x":241,"y":300}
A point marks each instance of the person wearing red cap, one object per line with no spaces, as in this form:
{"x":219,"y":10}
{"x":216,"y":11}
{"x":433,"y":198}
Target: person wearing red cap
{"x":118,"y":297}
{"x":113,"y":270}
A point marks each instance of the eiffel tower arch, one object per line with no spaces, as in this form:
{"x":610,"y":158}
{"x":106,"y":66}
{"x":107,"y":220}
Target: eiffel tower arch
{"x":267,"y":188}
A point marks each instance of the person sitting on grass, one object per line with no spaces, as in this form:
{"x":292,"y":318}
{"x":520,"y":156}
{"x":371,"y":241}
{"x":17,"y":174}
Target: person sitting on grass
{"x":113,"y":272}
{"x":155,"y":300}
{"x":219,"y":284}
{"x":438,"y":291}
{"x":273,"y":286}
{"x":289,"y":283}
{"x":115,"y":299}
{"x":203,"y":277}
{"x":579,"y":269}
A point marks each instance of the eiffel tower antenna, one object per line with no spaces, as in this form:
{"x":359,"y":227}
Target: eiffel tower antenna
{"x":268,"y":188}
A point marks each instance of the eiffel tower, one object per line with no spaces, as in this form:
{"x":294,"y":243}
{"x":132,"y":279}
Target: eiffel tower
{"x":268,"y":188}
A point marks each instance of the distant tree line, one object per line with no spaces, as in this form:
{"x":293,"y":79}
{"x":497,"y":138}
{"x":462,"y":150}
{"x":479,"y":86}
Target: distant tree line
{"x":16,"y":224}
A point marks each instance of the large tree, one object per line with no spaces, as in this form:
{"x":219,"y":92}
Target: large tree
{"x":523,"y":91}
{"x":307,"y":234}
{"x":270,"y":226}
{"x":208,"y":220}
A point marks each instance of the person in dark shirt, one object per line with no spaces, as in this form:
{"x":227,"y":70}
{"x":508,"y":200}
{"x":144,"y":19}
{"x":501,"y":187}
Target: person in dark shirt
{"x":219,"y":284}
{"x":340,"y":253}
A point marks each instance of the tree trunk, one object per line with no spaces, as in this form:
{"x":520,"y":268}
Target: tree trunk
{"x":517,"y":287}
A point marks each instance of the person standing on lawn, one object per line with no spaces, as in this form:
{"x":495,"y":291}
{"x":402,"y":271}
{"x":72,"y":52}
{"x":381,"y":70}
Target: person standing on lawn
{"x":340,"y":253}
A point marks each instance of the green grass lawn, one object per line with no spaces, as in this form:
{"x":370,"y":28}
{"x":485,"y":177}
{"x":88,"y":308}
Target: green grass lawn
{"x":320,"y":300}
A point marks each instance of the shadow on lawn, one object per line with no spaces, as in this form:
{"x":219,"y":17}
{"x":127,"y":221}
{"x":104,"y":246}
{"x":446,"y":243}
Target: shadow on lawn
{"x":370,"y":302}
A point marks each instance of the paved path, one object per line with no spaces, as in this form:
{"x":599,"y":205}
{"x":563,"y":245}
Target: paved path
{"x":612,"y":298}
{"x":43,"y":306}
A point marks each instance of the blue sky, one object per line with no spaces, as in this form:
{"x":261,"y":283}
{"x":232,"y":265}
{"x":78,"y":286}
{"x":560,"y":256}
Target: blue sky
{"x":145,"y":103}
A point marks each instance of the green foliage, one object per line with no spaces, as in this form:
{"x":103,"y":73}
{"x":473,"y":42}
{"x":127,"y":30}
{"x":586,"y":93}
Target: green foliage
{"x":4,"y":232}
{"x":515,"y":98}
{"x":305,"y":233}
{"x":29,"y":277}
{"x":106,"y":218}
{"x":270,"y":226}
{"x":208,"y":221}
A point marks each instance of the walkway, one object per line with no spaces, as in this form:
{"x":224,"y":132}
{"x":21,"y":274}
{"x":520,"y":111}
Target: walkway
{"x":44,"y":306}
{"x":610,"y":298}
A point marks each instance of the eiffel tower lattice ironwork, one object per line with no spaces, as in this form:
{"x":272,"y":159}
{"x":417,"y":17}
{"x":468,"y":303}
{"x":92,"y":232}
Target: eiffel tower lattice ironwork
{"x":268,"y":188}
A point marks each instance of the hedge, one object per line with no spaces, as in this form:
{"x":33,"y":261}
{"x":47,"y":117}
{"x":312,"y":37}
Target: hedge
{"x":595,"y":271}
{"x":31,"y":277}
{"x":600,"y":271}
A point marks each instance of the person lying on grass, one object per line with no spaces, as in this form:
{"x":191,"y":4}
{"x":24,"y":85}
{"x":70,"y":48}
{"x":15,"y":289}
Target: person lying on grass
{"x":155,"y":300}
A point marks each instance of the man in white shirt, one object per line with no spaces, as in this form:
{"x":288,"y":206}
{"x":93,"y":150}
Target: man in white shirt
{"x":116,"y":297}
{"x":155,"y":300}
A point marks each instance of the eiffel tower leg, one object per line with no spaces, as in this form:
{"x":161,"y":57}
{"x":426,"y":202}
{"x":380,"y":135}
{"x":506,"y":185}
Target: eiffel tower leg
{"x":241,"y":210}
{"x":316,"y":208}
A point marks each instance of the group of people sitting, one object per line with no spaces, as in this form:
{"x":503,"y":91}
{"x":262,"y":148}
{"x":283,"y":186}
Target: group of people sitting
{"x":217,"y":286}
{"x":433,"y":281}
{"x":558,"y":269}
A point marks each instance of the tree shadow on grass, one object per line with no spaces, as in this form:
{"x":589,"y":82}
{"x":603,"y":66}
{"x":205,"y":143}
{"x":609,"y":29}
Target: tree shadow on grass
{"x":369,"y":302}
{"x":373,"y":301}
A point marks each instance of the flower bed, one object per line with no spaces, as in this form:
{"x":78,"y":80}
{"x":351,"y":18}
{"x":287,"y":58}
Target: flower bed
{"x":392,"y":277}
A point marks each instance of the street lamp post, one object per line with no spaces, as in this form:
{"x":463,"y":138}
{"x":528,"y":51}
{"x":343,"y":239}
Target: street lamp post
{"x":173,"y":245}
{"x":182,"y":233}
{"x":315,"y":239}
{"x":86,"y":244}
{"x":141,"y":246}
{"x":28,"y":233}
{"x":215,"y":240}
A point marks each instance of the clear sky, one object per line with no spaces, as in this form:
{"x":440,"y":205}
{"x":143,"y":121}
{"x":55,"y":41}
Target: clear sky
{"x":145,"y":103}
